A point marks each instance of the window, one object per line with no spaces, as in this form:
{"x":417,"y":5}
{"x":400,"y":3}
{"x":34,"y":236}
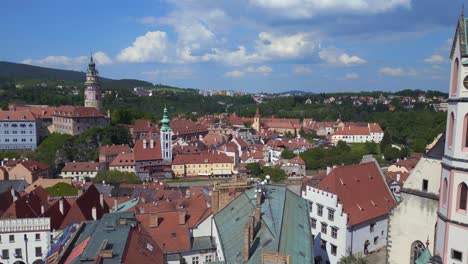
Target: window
{"x":313,"y":223}
{"x":456,"y":255}
{"x":444,"y":192}
{"x":208,"y":258}
{"x":324,"y":228}
{"x":333,"y":249}
{"x":376,"y":240}
{"x":319,"y":210}
{"x":425,"y":184}
{"x":38,"y":236}
{"x":12,"y":238}
{"x":334,"y":232}
{"x":450,"y":129}
{"x":453,"y":90}
{"x":331,"y":214}
{"x":372,"y":227}
{"x":311,"y":206}
{"x":323,"y":244}
{"x":18,"y":253}
{"x":5,"y":254}
{"x":195,"y":260}
{"x":462,"y":196}
{"x":38,"y":252}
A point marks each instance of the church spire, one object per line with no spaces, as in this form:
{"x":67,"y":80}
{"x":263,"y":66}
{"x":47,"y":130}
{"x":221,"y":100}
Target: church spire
{"x":165,"y":121}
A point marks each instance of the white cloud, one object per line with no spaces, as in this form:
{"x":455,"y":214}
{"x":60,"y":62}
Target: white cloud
{"x":151,"y":47}
{"x":397,"y":72}
{"x":336,"y":57}
{"x":302,"y":70}
{"x":101,"y":58}
{"x":264,"y":70}
{"x":234,"y":74}
{"x":435,"y":59}
{"x":293,"y":46}
{"x":310,"y":8}
{"x":352,"y":75}
{"x":71,"y":63}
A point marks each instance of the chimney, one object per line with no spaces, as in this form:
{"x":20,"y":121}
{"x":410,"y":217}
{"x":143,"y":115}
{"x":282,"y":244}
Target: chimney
{"x":154,"y":220}
{"x":94,"y":213}
{"x":258,"y":214}
{"x":152,"y":143}
{"x":187,"y":194}
{"x":398,"y":177}
{"x":246,"y":250}
{"x":144,"y":143}
{"x":329,"y":169}
{"x":116,"y":204}
{"x":13,"y":195}
{"x":182,"y":214}
{"x":61,"y":206}
{"x":259,"y":197}
{"x":251,"y":222}
{"x":42,"y":209}
{"x":101,"y":200}
{"x":215,"y":201}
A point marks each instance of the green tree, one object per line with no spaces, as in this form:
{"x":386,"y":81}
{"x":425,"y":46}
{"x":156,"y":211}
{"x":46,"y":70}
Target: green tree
{"x":47,"y":150}
{"x":391,"y":154}
{"x":419,"y":145}
{"x":276,"y":174}
{"x":353,"y":259}
{"x":288,"y":134}
{"x":372,"y":147}
{"x":247,"y":124}
{"x":254,"y":168}
{"x":62,"y":189}
{"x":116,"y":177}
{"x":287,"y":154}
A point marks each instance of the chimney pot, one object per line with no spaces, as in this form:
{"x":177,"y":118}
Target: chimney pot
{"x":154,"y":220}
{"x":182,"y":215}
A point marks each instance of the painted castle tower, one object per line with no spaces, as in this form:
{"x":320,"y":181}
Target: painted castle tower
{"x":92,"y":94}
{"x":166,"y":138}
{"x":452,"y":221}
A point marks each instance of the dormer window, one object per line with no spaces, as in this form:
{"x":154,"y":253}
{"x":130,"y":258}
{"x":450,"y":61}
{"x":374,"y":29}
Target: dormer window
{"x":5,"y":117}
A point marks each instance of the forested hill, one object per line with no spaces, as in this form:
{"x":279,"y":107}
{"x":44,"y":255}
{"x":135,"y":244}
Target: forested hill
{"x":18,"y":71}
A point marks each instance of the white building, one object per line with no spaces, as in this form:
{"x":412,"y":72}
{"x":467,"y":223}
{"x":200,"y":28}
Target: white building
{"x":18,"y":130}
{"x":357,"y":134}
{"x":24,"y":240}
{"x":412,"y":222}
{"x":349,"y":212}
{"x":452,"y":222}
{"x":80,"y":170}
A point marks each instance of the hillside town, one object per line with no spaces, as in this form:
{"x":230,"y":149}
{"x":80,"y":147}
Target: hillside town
{"x":77,"y":186}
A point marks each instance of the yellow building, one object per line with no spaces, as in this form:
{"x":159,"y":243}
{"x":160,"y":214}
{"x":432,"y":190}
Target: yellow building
{"x":205,"y":164}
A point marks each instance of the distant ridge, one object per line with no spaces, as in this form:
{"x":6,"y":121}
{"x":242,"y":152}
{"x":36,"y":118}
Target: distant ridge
{"x":18,"y":71}
{"x":296,"y":92}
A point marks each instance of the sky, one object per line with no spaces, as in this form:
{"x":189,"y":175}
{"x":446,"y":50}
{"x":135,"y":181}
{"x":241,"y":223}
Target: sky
{"x":242,"y":45}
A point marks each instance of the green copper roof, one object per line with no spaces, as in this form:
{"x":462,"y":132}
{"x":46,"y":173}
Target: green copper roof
{"x":284,"y":228}
{"x":424,"y":258}
{"x":165,"y":122}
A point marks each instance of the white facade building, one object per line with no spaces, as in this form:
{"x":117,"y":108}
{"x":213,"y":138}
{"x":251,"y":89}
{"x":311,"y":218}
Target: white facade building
{"x":356,"y":134}
{"x":18,"y":130}
{"x":352,"y":216}
{"x":452,"y":222}
{"x":24,"y":240}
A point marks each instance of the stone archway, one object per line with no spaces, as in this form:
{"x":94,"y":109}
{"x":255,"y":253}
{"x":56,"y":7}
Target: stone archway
{"x":417,"y":248}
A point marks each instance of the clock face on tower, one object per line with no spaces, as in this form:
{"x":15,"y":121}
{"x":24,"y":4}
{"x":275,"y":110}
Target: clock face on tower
{"x":465,"y":82}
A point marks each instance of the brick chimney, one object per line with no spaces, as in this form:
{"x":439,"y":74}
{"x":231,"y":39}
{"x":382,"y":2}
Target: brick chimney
{"x":246,"y":251}
{"x":258,"y":213}
{"x":251,"y":223}
{"x":182,"y":214}
{"x":154,"y":220}
{"x":215,"y":201}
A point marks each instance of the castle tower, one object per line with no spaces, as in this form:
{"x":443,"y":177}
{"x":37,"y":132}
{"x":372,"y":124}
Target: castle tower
{"x":452,"y":222}
{"x":166,"y":138}
{"x":92,"y":94}
{"x":256,"y":122}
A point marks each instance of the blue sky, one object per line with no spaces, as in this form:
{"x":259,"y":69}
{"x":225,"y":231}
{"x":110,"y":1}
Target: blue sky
{"x":244,"y":45}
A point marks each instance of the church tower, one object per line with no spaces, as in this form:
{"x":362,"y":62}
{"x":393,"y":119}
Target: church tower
{"x":452,"y":222}
{"x":166,"y":138}
{"x":92,"y":94}
{"x":256,"y":122}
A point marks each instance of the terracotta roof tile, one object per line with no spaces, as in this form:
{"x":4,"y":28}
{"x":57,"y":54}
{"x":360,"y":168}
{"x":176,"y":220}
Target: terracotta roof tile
{"x":143,"y":150}
{"x":123,"y":159}
{"x":80,"y":166}
{"x":204,"y":157}
{"x":77,"y":111}
{"x":17,"y":116}
{"x":114,"y":149}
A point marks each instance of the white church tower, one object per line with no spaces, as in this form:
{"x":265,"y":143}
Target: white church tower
{"x":452,"y":221}
{"x":166,"y":138}
{"x":92,"y":94}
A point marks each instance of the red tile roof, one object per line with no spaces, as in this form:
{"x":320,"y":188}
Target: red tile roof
{"x":204,"y":157}
{"x":114,"y":149}
{"x":80,"y":166}
{"x":297,"y":160}
{"x":144,"y":125}
{"x":361,"y":189}
{"x":183,"y":126}
{"x":17,"y":116}
{"x":123,"y":159}
{"x":77,"y":111}
{"x":137,"y":249}
{"x":393,"y":176}
{"x":34,"y":166}
{"x":144,"y":152}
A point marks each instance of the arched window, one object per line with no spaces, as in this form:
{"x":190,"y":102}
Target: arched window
{"x":444,"y":192}
{"x":462,"y":196}
{"x":450,"y":130}
{"x":454,"y":78}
